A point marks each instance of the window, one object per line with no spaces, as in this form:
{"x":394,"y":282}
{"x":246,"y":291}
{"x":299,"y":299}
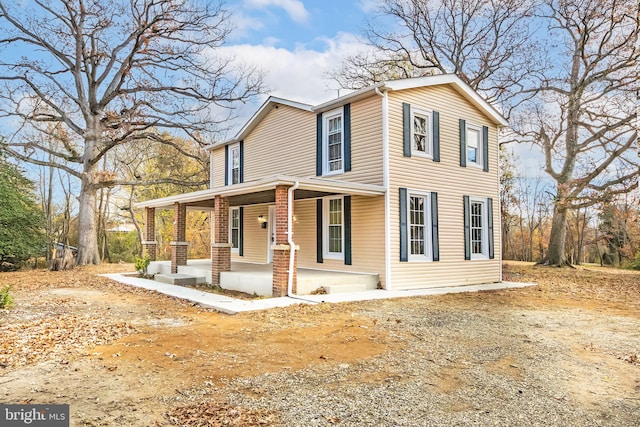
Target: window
{"x":333,"y":142}
{"x":478,"y":228}
{"x":234,"y":225}
{"x":474,"y":146}
{"x":419,"y":235}
{"x":334,"y":227}
{"x":234,"y":164}
{"x":419,"y":227}
{"x":421,"y":133}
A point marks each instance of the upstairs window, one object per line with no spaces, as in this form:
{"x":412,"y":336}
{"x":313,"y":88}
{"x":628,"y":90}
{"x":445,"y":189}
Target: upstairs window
{"x":474,"y":147}
{"x":421,"y":133}
{"x":234,"y":164}
{"x":333,"y":142}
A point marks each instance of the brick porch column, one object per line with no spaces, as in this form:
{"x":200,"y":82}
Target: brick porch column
{"x":281,"y":249}
{"x":149,"y":244}
{"x":178,"y":245}
{"x":220,"y":246}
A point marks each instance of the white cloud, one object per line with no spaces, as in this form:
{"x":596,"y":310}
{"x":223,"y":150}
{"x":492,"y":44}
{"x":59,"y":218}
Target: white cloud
{"x":294,"y":8}
{"x":243,"y":25}
{"x":299,"y":74}
{"x":368,"y":6}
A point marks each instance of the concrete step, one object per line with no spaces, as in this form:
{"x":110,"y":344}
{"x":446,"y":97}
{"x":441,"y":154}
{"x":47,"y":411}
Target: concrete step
{"x":203,"y":274}
{"x":179,"y":279}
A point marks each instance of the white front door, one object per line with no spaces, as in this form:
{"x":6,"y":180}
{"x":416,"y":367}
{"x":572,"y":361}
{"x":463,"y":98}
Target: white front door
{"x":271,"y":232}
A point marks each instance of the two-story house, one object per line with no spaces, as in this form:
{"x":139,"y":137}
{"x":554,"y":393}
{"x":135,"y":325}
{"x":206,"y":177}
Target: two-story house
{"x":398,"y":180}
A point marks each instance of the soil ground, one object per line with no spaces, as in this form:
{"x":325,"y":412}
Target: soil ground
{"x":125,"y":356}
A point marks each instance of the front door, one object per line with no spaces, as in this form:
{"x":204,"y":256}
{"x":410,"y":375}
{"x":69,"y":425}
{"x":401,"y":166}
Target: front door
{"x":271,"y":232}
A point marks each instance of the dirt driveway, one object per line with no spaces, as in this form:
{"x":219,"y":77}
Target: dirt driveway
{"x":566,"y":352}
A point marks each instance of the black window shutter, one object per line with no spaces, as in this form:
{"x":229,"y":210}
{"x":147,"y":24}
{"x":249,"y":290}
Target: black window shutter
{"x":435,"y":242}
{"x":241,"y":231}
{"x":319,"y":249}
{"x":436,"y":136}
{"x":346,"y":201}
{"x":347,"y":137}
{"x":226,"y":165}
{"x":490,"y":226}
{"x":404,"y":241}
{"x":485,"y":148}
{"x":319,"y":145}
{"x":241,"y":162}
{"x":467,"y":228}
{"x":406,"y":129}
{"x":463,"y":143}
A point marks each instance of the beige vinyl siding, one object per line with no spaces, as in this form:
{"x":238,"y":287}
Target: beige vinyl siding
{"x":450,"y":181}
{"x":218,"y":167}
{"x":283,"y":143}
{"x":367,"y":237}
{"x":366,"y":142}
{"x":255,"y":238}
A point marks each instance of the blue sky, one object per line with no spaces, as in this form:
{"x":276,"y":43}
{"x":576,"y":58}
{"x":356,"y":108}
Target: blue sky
{"x":296,"y":43}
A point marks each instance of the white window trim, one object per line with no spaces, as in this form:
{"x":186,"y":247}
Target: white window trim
{"x":429,"y":137}
{"x":230,"y":163}
{"x":338,"y":112}
{"x":231,"y":210}
{"x":325,"y":229}
{"x":485,"y":228}
{"x":479,"y":163}
{"x":428,"y":249}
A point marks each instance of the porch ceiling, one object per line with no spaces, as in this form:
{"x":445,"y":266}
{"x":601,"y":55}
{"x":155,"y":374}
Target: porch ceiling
{"x":263,"y":191}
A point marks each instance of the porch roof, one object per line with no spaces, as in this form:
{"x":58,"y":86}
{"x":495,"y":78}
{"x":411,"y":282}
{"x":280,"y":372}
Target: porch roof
{"x":263,"y":191}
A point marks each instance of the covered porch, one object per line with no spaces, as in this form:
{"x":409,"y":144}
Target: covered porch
{"x":258,"y":278}
{"x":277,"y":274}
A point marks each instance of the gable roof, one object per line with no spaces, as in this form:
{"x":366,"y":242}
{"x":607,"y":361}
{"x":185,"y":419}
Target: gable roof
{"x":394,"y":85}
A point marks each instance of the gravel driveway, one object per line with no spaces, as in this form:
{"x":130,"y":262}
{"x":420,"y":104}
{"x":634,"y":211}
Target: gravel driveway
{"x":563,"y":353}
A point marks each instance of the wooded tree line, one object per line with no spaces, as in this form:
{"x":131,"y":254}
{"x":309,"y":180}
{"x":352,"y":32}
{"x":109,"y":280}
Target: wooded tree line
{"x":95,"y":88}
{"x":606,"y":233}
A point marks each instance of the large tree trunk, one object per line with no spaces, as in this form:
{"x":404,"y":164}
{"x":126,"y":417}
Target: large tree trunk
{"x":556,"y":251}
{"x":87,"y":231}
{"x":87,"y":217}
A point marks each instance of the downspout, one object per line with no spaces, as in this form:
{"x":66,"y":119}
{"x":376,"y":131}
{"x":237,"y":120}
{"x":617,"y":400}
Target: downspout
{"x":499,"y":171}
{"x":292,"y":248}
{"x":385,"y":183}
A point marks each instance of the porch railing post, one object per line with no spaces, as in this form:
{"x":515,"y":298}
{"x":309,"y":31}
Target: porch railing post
{"x":281,"y":247}
{"x":149,"y":244}
{"x":179,"y":246}
{"x":220,"y":246}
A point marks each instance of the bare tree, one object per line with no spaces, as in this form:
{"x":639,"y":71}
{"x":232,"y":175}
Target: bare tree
{"x":114,"y":73}
{"x":583,"y":115}
{"x":485,"y":42}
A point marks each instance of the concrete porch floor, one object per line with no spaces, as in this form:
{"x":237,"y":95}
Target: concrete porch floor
{"x":257,"y":278}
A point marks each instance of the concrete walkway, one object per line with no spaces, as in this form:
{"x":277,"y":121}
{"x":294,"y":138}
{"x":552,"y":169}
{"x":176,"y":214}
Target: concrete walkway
{"x":234,"y":305}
